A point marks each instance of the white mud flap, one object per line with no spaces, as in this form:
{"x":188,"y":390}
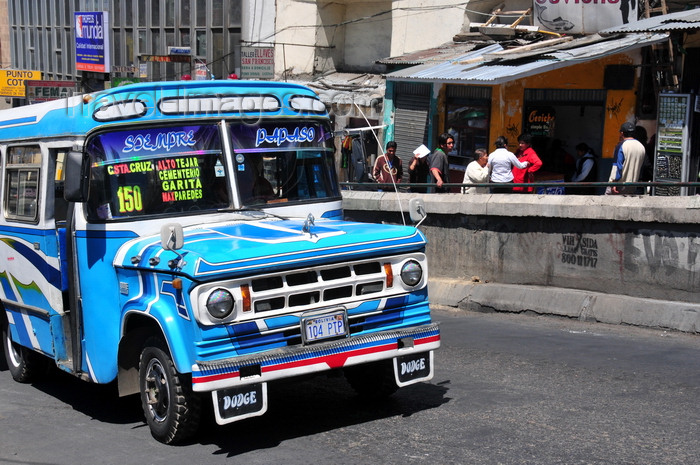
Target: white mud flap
{"x":240,"y":402}
{"x":412,"y":368}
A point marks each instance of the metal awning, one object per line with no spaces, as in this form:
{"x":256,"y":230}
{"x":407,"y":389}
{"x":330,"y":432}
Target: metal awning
{"x":680,"y":20}
{"x":493,"y":65}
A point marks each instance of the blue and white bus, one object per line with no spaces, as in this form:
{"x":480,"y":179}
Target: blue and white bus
{"x":185,"y":240}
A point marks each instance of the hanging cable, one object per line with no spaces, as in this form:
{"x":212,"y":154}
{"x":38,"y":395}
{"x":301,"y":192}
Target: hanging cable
{"x":383,"y":154}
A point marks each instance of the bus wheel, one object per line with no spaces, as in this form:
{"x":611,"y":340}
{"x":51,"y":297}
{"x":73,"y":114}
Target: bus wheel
{"x":25,"y":365}
{"x":172,"y":410}
{"x":372,"y":380}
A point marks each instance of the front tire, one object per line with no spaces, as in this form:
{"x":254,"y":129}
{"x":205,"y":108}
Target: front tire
{"x":24,"y":364}
{"x":172,"y":410}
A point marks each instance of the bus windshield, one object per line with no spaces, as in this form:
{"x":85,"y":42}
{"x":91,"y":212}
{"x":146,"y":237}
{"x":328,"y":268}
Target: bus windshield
{"x":162,"y":170}
{"x":184,"y":169}
{"x":279,"y":162}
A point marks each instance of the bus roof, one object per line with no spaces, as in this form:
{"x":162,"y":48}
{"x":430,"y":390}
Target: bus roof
{"x":159,"y":101}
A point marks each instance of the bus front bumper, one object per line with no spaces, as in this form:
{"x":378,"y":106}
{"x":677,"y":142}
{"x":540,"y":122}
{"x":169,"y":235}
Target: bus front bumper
{"x":299,"y":360}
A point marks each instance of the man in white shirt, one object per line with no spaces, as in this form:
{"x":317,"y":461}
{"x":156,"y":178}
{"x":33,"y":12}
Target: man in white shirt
{"x":500,"y":165}
{"x":477,"y":172}
{"x":629,"y":158}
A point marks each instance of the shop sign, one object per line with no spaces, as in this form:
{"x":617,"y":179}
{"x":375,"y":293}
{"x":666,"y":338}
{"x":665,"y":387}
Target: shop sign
{"x":583,"y":16}
{"x":165,"y":58}
{"x":257,"y":62}
{"x":92,"y":41}
{"x":43,"y":91}
{"x":539,"y":121}
{"x":133,"y":69}
{"x":12,"y":81}
{"x":179,"y":50}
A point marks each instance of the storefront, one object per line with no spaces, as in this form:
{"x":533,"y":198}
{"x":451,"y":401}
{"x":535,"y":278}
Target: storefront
{"x":580,"y":90}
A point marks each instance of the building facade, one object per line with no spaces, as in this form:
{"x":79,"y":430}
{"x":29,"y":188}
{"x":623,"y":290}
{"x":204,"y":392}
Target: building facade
{"x":563,"y":90}
{"x":42,"y":37}
{"x":306,"y":38}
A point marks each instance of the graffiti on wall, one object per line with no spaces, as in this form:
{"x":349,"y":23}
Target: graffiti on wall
{"x":615,"y":107}
{"x":660,"y":251}
{"x":512,"y":129}
{"x":579,"y":250}
{"x":583,"y":16}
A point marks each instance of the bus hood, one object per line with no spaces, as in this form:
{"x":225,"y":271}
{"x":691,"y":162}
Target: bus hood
{"x":235,"y":249}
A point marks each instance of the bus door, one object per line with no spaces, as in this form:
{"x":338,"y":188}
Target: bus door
{"x":30,"y":270}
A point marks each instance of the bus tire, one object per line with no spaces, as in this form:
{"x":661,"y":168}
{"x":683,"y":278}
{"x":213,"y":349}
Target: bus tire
{"x":24,"y":364}
{"x":372,"y":380}
{"x":171,"y":408}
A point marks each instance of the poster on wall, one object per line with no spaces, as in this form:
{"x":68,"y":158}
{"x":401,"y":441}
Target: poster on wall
{"x":257,"y":62}
{"x":583,"y":16}
{"x":201,"y":72}
{"x":92,"y":41}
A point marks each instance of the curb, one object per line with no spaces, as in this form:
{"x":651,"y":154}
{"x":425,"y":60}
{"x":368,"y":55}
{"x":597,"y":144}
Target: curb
{"x":571,"y":303}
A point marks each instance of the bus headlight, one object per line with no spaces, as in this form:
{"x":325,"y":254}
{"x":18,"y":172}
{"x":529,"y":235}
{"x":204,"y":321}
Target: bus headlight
{"x":411,"y":273}
{"x":220,"y":303}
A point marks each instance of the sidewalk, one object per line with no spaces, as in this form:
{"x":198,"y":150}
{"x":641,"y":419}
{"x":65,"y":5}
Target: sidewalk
{"x":571,"y":303}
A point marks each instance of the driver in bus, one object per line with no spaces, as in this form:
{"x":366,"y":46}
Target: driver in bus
{"x":262,"y":189}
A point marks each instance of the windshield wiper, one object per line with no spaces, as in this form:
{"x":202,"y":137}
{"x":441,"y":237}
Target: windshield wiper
{"x":260,"y":210}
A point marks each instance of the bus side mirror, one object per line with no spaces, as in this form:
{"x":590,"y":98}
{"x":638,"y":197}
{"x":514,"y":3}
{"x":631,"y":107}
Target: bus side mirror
{"x":172,"y":236}
{"x":76,"y":180}
{"x":416,"y":210}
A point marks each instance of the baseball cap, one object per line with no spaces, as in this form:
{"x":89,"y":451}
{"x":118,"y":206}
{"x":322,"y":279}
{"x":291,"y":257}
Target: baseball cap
{"x":627,"y":127}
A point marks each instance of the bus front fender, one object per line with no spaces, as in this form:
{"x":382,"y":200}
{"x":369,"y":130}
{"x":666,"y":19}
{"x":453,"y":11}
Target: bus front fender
{"x":138,"y":327}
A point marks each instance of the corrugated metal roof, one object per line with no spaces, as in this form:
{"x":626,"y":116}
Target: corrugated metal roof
{"x":680,"y":20}
{"x":431,"y":55}
{"x":479,"y":67}
{"x":447,"y":68}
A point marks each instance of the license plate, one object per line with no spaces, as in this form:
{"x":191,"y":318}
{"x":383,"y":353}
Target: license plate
{"x":318,"y":327}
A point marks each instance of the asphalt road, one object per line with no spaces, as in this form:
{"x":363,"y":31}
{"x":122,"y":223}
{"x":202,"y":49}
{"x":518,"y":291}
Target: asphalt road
{"x":508,"y":389}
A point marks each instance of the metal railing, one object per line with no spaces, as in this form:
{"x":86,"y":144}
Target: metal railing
{"x":552,"y":186}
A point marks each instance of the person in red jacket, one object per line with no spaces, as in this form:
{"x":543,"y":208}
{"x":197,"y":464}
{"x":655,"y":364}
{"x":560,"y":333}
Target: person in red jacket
{"x":526,"y":153}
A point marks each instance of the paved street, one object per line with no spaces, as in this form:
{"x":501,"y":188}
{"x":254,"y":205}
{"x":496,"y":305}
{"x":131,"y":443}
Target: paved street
{"x":508,"y":389}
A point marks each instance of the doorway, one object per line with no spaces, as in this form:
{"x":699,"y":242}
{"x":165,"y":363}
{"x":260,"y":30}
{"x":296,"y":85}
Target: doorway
{"x":558,"y":120}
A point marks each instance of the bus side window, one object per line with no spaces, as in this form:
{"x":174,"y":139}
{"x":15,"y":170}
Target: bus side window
{"x":22,"y":182}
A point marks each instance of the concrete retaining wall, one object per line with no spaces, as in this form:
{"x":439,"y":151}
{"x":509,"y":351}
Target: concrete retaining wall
{"x":633,"y":260}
